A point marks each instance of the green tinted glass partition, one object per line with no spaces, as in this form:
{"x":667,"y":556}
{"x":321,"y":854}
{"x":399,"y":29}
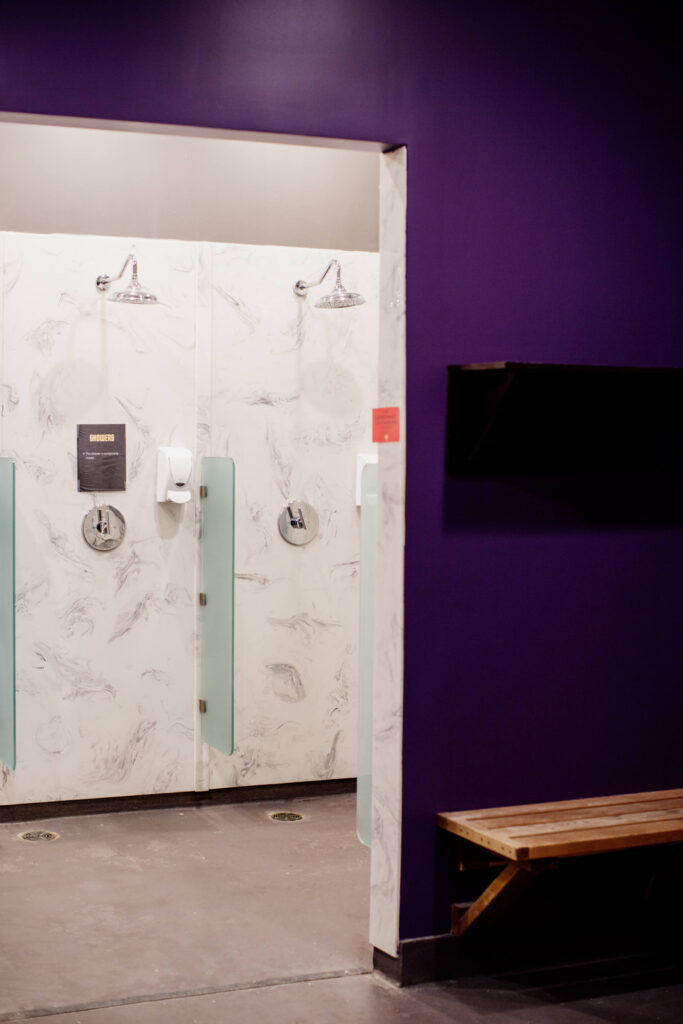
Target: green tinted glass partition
{"x":217,"y":558}
{"x":7,"y":714}
{"x":366,"y":649}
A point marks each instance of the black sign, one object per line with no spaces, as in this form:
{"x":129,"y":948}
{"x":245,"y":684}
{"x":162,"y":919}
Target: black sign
{"x":101,"y":457}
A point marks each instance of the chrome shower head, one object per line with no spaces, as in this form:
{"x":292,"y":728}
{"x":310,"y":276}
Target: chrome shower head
{"x":338,"y":297}
{"x":134,"y":293}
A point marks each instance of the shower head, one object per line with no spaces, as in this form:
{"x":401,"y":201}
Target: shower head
{"x":338,"y":297}
{"x":134,"y":293}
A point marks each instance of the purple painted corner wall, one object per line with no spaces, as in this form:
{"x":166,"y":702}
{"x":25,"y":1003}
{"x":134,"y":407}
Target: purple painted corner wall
{"x":544,"y":178}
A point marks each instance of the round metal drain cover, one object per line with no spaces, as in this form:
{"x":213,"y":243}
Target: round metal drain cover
{"x":285,"y":816}
{"x":38,"y":836}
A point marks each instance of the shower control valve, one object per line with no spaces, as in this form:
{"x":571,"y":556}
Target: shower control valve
{"x":298,"y":522}
{"x":104,"y":527}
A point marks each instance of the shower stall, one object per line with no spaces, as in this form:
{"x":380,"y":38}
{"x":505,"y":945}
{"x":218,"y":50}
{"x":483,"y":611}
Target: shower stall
{"x":113,"y":649}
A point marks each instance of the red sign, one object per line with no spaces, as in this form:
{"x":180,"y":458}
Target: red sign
{"x":385,"y":424}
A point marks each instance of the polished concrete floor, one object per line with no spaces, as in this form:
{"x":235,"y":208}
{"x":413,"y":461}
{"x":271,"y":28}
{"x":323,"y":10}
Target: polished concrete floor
{"x":207,"y":915}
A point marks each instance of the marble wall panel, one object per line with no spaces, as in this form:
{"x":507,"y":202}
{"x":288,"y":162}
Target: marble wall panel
{"x":105,"y":641}
{"x":292,"y":388}
{"x":385,"y":875}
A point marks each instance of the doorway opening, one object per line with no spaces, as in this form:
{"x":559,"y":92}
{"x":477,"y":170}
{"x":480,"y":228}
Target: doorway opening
{"x":218,"y":278}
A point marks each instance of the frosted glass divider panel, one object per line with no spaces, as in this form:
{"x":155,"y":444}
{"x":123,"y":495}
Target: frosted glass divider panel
{"x":216,"y":615}
{"x":366,"y":649}
{"x":7,"y":656}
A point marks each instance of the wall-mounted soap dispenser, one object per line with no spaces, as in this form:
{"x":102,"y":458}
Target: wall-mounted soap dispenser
{"x":174,"y":471}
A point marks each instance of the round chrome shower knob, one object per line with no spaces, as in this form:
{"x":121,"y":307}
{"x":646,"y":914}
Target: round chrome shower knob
{"x":104,"y":527}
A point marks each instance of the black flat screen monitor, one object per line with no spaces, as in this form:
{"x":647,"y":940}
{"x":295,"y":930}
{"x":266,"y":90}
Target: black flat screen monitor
{"x":525,"y":419}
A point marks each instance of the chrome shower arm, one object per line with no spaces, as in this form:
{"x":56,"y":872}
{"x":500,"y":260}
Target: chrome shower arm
{"x":301,"y":287}
{"x":104,"y":280}
{"x":338,"y":298}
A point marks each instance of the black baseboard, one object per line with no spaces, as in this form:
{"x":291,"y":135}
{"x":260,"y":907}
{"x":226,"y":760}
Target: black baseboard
{"x":158,"y":801}
{"x":432,"y":958}
{"x":442,"y":957}
{"x":614,"y":959}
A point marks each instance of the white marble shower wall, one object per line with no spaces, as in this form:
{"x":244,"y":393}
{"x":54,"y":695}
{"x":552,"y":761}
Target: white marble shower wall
{"x":228,"y":362}
{"x":105,"y":666}
{"x":292,"y":388}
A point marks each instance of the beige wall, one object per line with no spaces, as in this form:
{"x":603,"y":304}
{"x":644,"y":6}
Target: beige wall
{"x":80,"y":180}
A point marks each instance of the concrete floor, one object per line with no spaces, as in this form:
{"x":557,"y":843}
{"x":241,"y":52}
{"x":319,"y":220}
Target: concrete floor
{"x":205,"y":915}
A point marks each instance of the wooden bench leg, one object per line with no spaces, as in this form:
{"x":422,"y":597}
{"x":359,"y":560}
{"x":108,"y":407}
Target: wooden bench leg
{"x":506,"y":887}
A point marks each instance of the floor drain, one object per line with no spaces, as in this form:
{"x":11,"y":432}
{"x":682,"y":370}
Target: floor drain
{"x":38,"y":836}
{"x":285,"y":816}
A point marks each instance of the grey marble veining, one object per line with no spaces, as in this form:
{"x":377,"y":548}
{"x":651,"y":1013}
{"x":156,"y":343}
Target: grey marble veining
{"x":62,"y":545}
{"x":247,"y":317}
{"x":46,"y":334}
{"x":270,"y":398}
{"x":78,"y":617}
{"x":148,"y":604}
{"x":12,"y":266}
{"x":304,"y":625}
{"x":114,"y":760}
{"x":31,"y":594}
{"x":286,"y":682}
{"x":9,"y":399}
{"x":134,"y":415}
{"x":128,"y":568}
{"x":282,"y":467}
{"x":342,"y":691}
{"x":54,"y":736}
{"x":253,"y":577}
{"x":324,"y":764}
{"x":75,"y":676}
{"x":347,"y":570}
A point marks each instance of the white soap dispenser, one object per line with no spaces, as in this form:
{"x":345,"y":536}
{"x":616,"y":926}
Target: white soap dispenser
{"x":174,"y":471}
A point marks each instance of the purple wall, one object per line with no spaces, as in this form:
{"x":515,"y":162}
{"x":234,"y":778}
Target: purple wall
{"x":544,"y":217}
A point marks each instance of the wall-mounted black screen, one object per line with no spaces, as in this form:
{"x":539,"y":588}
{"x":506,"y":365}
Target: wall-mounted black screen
{"x":521,"y":419}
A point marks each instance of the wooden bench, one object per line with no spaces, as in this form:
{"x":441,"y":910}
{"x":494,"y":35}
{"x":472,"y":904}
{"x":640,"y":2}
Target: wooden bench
{"x":531,"y":838}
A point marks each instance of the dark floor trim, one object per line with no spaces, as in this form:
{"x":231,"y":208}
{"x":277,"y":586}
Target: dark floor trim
{"x":389,"y":966}
{"x":158,"y":801}
{"x":161,"y":997}
{"x":444,"y":957}
{"x":419,"y":960}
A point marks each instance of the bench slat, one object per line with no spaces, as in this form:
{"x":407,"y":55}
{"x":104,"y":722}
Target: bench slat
{"x":580,"y":805}
{"x":604,"y":840}
{"x":533,"y":816}
{"x":581,"y":824}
